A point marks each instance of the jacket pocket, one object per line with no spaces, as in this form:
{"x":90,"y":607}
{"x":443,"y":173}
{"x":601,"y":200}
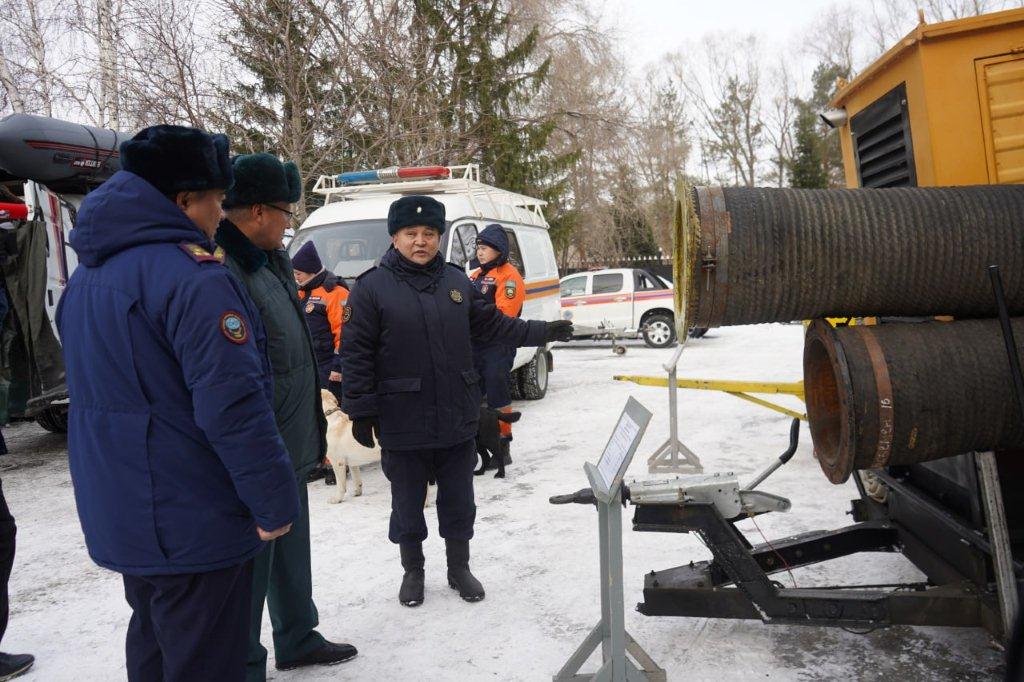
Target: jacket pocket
{"x":400,"y":405}
{"x":471,"y":401}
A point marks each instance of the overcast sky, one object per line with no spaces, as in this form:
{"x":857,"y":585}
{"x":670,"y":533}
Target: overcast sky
{"x":650,"y":28}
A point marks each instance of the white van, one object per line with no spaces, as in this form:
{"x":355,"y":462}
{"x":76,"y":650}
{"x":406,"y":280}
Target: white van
{"x":350,"y":234}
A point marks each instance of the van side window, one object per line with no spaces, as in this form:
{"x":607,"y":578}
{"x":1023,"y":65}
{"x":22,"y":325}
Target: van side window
{"x":463,"y":244}
{"x":515,"y":256}
{"x":574,"y":286}
{"x":536,"y":249}
{"x":608,"y":283}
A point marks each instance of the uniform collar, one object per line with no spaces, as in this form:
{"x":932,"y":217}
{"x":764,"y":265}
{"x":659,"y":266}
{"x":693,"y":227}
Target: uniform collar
{"x":238,"y":247}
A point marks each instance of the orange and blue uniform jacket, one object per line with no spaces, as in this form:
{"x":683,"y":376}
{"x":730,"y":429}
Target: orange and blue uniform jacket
{"x":324,"y":298}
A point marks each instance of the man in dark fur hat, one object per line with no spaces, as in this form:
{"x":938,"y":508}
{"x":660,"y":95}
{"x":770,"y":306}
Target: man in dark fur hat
{"x":259,"y":209}
{"x":409,"y":382}
{"x":163,"y":354}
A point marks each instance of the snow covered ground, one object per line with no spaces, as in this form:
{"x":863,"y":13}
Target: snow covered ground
{"x":538,"y":562}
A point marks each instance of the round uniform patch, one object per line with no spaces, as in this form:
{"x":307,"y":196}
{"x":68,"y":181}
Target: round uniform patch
{"x":233,"y":327}
{"x":346,"y":315}
{"x":484,"y":289}
{"x":309,"y":307}
{"x":510,"y":292}
{"x":456,"y":295}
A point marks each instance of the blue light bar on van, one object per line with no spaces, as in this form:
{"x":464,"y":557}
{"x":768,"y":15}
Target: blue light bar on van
{"x":393,"y":175}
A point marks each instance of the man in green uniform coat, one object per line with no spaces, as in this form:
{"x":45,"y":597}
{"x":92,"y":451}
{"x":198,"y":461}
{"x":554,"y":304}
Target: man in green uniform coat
{"x":258,"y":210}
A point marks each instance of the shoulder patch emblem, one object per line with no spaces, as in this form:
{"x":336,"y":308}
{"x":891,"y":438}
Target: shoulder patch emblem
{"x":309,"y":307}
{"x":233,"y":327}
{"x":201,"y":255}
{"x":510,"y":289}
{"x":456,"y":295}
{"x":485,"y":288}
{"x":347,"y":314}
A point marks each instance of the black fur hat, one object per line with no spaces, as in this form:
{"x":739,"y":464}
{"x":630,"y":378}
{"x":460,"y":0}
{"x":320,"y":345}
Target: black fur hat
{"x":263,"y":179}
{"x":178,"y":159}
{"x":416,"y":210}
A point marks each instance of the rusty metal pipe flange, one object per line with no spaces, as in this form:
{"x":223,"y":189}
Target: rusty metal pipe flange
{"x":757,"y":255}
{"x":906,"y":393}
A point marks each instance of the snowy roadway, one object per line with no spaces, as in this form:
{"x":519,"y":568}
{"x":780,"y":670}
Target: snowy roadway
{"x":537,"y":562}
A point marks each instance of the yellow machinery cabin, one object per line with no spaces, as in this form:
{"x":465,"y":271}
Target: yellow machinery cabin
{"x":944,"y":106}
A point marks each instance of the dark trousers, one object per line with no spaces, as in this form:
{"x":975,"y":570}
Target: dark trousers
{"x":283,"y":578}
{"x":409,"y":470}
{"x":8,"y":531}
{"x":494,"y":365}
{"x":189,"y":627}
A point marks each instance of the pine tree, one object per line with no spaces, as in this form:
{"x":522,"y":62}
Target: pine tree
{"x":817,"y":157}
{"x":486,"y":78}
{"x":807,"y":168}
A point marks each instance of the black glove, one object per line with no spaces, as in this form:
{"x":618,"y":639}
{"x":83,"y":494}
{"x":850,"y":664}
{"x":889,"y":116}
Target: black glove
{"x":364,"y":429}
{"x":559,"y":330}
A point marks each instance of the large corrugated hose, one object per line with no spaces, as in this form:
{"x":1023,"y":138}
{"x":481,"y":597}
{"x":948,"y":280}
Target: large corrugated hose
{"x":896,"y":394}
{"x":750,"y":255}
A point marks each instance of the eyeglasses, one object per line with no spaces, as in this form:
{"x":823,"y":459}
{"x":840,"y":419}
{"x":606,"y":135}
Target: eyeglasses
{"x":290,"y":214}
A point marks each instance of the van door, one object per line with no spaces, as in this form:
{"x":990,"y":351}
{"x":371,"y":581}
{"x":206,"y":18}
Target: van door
{"x":612,"y":297}
{"x":573,"y":291}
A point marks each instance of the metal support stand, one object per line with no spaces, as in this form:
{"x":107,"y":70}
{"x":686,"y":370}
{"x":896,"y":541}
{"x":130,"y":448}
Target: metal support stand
{"x":999,"y":538}
{"x":610,"y":634}
{"x":672,"y":457}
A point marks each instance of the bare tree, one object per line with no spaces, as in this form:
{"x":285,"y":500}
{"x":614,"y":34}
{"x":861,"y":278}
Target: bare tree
{"x":11,"y":87}
{"x":726,"y":94}
{"x":779,"y":122}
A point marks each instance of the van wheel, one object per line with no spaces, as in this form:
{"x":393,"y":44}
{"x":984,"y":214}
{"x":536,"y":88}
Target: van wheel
{"x":659,"y":331}
{"x":54,"y":419}
{"x":534,"y":377}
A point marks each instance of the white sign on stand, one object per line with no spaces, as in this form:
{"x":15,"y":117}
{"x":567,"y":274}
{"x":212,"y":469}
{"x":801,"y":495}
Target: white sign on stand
{"x":610,"y":634}
{"x":617,"y":452}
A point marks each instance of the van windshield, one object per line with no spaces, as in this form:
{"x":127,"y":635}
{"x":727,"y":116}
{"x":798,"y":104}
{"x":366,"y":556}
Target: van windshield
{"x":347,"y":249}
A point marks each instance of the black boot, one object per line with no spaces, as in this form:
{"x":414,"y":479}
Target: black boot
{"x":459,"y":577}
{"x":411,"y":592}
{"x":13,"y":665}
{"x":329,"y":653}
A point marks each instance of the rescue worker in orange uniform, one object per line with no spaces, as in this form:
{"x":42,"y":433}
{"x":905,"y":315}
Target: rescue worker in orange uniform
{"x":501,"y":284}
{"x":324,"y":296}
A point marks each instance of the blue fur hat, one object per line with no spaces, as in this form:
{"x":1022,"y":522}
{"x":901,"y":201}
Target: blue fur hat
{"x":263,"y":179}
{"x":178,"y":159}
{"x":416,"y":210}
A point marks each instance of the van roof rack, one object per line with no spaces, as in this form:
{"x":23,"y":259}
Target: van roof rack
{"x":485,"y":200}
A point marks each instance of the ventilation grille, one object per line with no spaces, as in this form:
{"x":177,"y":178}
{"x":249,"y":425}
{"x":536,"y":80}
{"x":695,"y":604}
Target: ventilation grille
{"x":881,"y":140}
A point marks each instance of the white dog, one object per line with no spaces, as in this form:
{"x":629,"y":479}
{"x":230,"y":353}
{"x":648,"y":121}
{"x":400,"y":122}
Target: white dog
{"x":343,"y":451}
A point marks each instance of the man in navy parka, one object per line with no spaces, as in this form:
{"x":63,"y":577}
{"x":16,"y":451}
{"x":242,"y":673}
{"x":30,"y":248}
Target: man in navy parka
{"x":179,"y":472}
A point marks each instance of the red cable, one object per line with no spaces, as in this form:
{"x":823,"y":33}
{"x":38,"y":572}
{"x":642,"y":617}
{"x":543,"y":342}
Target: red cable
{"x":781,"y":558}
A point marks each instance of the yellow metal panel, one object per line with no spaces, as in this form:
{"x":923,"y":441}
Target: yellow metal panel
{"x":957,"y":136}
{"x":1001,"y":92}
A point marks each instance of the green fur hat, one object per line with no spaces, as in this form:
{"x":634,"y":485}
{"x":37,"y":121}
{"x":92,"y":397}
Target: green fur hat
{"x":263,"y":179}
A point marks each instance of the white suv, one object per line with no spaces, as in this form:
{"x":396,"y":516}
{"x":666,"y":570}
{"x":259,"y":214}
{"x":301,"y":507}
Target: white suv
{"x":628,"y":302}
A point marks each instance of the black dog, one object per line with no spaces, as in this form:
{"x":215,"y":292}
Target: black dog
{"x":489,"y":444}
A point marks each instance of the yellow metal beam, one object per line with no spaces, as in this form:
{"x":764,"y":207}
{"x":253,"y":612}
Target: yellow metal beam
{"x":740,"y":389}
{"x":771,"y":387}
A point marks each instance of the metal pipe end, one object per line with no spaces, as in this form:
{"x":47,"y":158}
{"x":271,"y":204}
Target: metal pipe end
{"x":827,"y":390}
{"x":685,"y":252}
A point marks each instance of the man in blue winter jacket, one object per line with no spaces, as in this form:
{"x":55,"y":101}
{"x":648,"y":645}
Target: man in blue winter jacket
{"x":179,"y":472}
{"x":407,"y":363}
